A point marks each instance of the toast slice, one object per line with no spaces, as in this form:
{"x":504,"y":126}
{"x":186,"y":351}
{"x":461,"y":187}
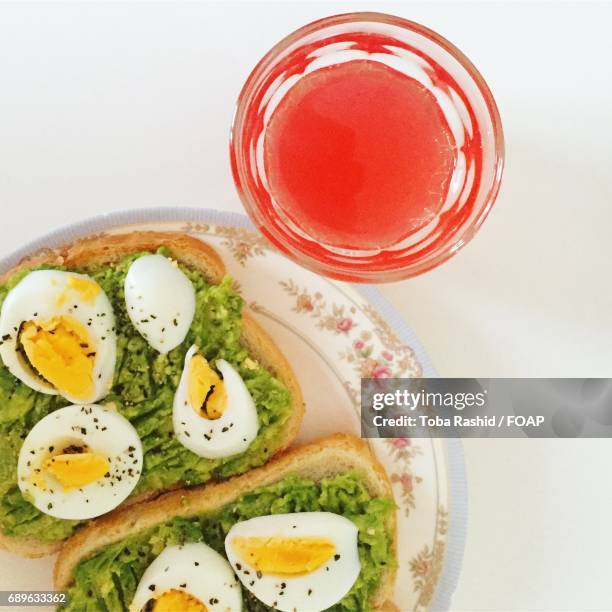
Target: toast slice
{"x":107,"y":249}
{"x":327,"y":457}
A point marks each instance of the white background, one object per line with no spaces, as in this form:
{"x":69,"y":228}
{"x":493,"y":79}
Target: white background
{"x":115,"y":106}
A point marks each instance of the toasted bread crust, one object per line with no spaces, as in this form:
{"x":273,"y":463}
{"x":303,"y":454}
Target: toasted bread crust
{"x":28,"y":547}
{"x":108,"y":249}
{"x":327,"y":457}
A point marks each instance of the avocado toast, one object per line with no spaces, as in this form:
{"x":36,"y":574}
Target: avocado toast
{"x":111,"y":563}
{"x":144,"y":381}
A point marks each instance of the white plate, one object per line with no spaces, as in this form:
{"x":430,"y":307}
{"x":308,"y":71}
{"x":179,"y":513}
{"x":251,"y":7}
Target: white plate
{"x":333,"y":334}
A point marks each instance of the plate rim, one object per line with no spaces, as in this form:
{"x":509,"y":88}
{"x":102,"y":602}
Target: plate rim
{"x":455,"y":461}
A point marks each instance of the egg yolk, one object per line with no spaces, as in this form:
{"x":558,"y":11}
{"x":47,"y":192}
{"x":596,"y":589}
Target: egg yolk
{"x":289,"y":556}
{"x":175,"y":600}
{"x":207,"y":393}
{"x":76,"y":469}
{"x":86,"y":288}
{"x":62,"y":352}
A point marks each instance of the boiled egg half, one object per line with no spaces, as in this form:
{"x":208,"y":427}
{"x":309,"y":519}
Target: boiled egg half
{"x":57,"y":335}
{"x":79,"y":462}
{"x":188,"y":578}
{"x":214,"y":414}
{"x":299,"y":562}
{"x":160,"y":301}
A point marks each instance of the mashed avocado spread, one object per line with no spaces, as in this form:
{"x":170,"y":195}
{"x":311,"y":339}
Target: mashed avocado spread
{"x":143,"y":391}
{"x":107,"y":581}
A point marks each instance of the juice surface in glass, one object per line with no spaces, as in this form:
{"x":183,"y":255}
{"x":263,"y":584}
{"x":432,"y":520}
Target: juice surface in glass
{"x":359,"y":155}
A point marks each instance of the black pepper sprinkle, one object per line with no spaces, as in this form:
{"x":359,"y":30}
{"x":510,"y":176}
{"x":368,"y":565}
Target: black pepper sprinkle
{"x":336,"y":557}
{"x":183,"y":586}
{"x":151,"y":587}
{"x":49,"y":506}
{"x":310,"y":591}
{"x":196,"y":563}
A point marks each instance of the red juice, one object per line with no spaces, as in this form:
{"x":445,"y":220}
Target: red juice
{"x":366,"y":147}
{"x":359,"y":155}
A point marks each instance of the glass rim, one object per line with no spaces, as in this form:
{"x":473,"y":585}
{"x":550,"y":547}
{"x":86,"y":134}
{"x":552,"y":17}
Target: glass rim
{"x":347,"y":271}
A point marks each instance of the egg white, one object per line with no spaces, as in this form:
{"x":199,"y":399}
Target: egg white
{"x":230,"y":434}
{"x":317,"y":590}
{"x":101,"y":430}
{"x":160,"y":301}
{"x":194,"y":568}
{"x":35,"y":298}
